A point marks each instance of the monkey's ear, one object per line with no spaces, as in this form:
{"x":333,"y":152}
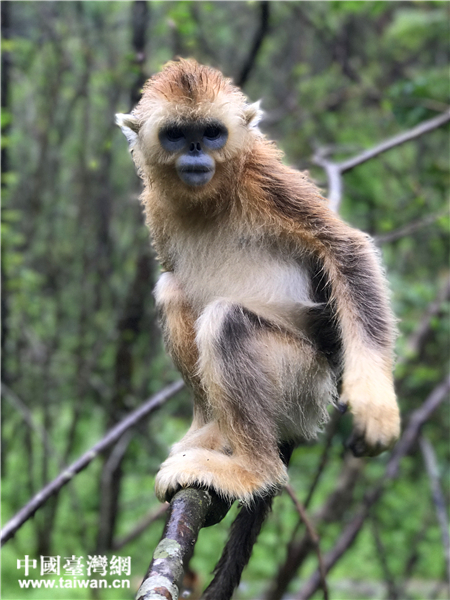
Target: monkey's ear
{"x":129,"y":126}
{"x":253,"y":114}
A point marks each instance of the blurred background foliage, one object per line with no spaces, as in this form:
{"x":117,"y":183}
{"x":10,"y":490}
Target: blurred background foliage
{"x":80,"y":344}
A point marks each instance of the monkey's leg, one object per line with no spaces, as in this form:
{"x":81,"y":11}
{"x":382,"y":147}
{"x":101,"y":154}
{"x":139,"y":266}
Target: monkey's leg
{"x":177,"y":319}
{"x":249,"y":371}
{"x":178,"y":326}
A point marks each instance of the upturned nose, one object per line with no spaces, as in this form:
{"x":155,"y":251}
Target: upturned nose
{"x":195,"y":148}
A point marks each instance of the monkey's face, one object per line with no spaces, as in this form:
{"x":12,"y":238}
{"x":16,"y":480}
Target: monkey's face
{"x":189,"y":124}
{"x":192,"y":145}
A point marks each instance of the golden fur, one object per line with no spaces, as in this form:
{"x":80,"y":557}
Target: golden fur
{"x":268,"y":299}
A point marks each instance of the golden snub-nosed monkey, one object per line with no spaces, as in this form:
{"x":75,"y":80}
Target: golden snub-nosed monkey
{"x":268,"y":301}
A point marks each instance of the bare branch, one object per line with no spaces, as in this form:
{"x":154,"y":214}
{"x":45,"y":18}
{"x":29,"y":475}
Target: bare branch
{"x":393,"y":592}
{"x":414,"y":554}
{"x":409,"y":228}
{"x":335,"y":170}
{"x":331,"y":430}
{"x":332,"y":511}
{"x":109,"y":439}
{"x":190,"y":510}
{"x":314,"y":538}
{"x":397,"y":140}
{"x":257,"y":43}
{"x":334,"y":177}
{"x":141,"y":526}
{"x":416,"y":341}
{"x":431,"y":466}
{"x":18,"y":404}
{"x":416,"y":421}
{"x":409,"y":437}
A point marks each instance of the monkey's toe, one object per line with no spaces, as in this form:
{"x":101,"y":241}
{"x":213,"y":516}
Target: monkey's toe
{"x":231,"y":477}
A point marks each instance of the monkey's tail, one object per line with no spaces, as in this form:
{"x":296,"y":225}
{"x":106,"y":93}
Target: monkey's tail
{"x":238,"y":549}
{"x":243,"y":534}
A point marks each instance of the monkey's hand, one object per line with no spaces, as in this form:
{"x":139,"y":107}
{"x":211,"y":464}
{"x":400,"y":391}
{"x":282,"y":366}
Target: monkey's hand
{"x":231,"y":477}
{"x":376,"y":417}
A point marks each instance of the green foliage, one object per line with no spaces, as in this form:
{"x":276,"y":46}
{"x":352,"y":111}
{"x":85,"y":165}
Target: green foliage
{"x":411,"y":29}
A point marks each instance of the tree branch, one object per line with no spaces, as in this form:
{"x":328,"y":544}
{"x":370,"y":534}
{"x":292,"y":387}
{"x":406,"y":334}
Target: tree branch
{"x":393,"y":593}
{"x":141,"y":526}
{"x":332,"y":511}
{"x":313,"y":536}
{"x":257,"y":43}
{"x":409,"y":228}
{"x":334,"y":177}
{"x":65,"y":476}
{"x":432,"y":469}
{"x":20,"y":406}
{"x":418,"y":338}
{"x":397,"y":140}
{"x":331,"y":430}
{"x":409,"y":437}
{"x":190,"y":510}
{"x":335,"y":170}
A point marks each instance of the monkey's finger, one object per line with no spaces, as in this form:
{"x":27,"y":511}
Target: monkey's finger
{"x":359,"y":446}
{"x":342,"y":407}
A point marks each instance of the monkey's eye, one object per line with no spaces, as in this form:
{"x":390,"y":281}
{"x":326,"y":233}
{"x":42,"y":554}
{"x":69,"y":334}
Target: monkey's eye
{"x":172,"y":138}
{"x":215,"y":136}
{"x":174,"y":134}
{"x":212,"y":132}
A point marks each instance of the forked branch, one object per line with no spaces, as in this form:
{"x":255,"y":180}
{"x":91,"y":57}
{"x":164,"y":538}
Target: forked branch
{"x":335,"y":170}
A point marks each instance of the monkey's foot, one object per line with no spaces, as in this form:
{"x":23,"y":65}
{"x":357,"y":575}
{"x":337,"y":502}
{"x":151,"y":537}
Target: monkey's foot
{"x":230,"y":476}
{"x":376,"y":418}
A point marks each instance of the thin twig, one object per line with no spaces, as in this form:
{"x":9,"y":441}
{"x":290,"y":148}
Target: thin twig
{"x":331,"y":430}
{"x":416,"y":341}
{"x":409,"y":228}
{"x":314,"y":538}
{"x":141,"y":526}
{"x":116,"y":457}
{"x":389,"y":578}
{"x":432,"y":469}
{"x":334,"y":177}
{"x":19,"y":405}
{"x":414,"y":554}
{"x":350,"y":533}
{"x":109,"y":439}
{"x":332,"y":511}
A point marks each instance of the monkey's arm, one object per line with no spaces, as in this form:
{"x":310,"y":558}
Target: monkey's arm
{"x":349,"y":270}
{"x":358,"y":301}
{"x":367,"y":328}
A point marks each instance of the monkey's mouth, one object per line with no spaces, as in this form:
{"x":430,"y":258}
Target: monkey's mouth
{"x":195,"y":176}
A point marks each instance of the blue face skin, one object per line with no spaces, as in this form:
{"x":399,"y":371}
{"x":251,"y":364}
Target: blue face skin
{"x":194,"y":166}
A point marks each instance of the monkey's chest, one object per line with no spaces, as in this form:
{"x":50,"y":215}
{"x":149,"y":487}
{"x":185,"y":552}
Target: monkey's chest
{"x":262,"y":280}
